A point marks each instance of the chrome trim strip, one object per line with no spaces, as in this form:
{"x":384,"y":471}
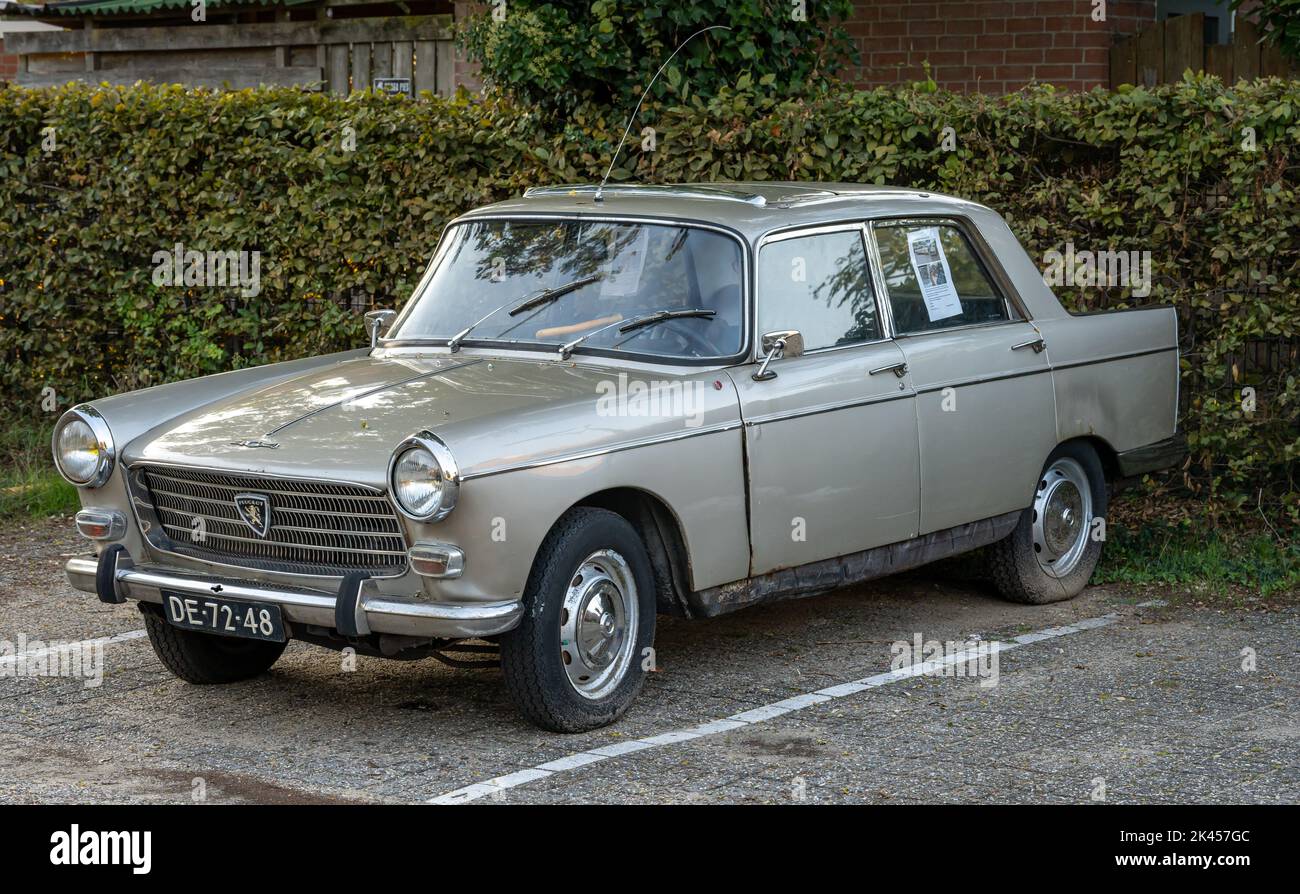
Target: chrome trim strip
{"x":885,"y":309}
{"x":439,"y":251}
{"x":377,"y":497}
{"x":798,"y":231}
{"x":434,"y":611}
{"x":680,"y":191}
{"x":442,"y":455}
{"x":1114,"y":357}
{"x":929,"y":389}
{"x":103,"y":435}
{"x":983,"y":380}
{"x":828,"y":408}
{"x":279,"y":509}
{"x":602,"y":451}
{"x":240,"y":473}
{"x":328,"y":549}
{"x":198,"y":584}
{"x":989,"y":324}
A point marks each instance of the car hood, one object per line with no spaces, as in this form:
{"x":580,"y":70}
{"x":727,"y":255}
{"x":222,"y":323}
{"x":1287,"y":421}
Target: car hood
{"x":342,"y":421}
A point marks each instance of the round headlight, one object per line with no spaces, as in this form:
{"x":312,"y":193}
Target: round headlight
{"x":424,"y":478}
{"x":83,"y":447}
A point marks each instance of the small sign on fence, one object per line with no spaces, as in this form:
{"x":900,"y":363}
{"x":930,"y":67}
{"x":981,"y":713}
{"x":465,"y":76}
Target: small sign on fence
{"x":393,"y":85}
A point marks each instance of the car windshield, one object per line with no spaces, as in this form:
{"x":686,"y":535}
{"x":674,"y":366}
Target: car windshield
{"x":564,"y":279}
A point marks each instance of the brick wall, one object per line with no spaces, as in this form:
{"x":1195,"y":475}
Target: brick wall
{"x":990,"y":47}
{"x":8,"y":64}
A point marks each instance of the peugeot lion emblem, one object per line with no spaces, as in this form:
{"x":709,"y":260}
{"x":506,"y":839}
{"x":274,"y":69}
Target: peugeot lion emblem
{"x":255,"y":510}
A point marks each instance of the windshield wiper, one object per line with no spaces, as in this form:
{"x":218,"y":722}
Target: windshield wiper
{"x":640,"y":322}
{"x":545,"y":296}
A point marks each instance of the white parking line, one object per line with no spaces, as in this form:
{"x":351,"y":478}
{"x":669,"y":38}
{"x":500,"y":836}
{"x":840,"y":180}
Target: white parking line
{"x":57,"y":648}
{"x":580,"y":759}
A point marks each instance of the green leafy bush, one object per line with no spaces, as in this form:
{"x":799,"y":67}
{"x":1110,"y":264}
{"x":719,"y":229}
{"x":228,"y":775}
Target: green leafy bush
{"x":1196,"y":173}
{"x":1280,"y":20}
{"x":558,"y":54}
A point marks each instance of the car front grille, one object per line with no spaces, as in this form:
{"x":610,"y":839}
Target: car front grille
{"x":316,"y":528}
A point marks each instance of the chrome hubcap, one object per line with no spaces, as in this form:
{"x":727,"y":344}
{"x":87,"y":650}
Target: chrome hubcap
{"x":1062,"y":517}
{"x":598,"y":624}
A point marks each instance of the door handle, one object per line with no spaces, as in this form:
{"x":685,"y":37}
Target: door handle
{"x":1038,"y":344}
{"x":899,"y":369}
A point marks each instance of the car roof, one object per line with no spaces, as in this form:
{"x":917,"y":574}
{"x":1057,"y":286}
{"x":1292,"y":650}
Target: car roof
{"x":752,"y":208}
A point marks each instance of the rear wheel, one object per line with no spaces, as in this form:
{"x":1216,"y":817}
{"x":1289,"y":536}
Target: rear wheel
{"x":1055,"y":547}
{"x":576,"y":660}
{"x":206,"y":657}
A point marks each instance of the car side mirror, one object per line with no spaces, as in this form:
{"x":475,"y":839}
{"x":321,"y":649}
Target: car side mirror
{"x":783,"y":343}
{"x":378,"y":322}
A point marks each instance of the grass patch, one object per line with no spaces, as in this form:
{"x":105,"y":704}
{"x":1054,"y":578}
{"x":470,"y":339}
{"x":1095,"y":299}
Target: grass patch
{"x":29,"y":485}
{"x":1145,"y":550}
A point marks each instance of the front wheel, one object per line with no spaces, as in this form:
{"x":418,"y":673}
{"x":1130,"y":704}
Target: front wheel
{"x":579,"y":655}
{"x":207,"y":657}
{"x":1053,"y":550}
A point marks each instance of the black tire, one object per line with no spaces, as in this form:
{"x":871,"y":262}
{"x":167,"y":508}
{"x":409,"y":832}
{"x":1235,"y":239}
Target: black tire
{"x":205,"y":658}
{"x":532,"y":658}
{"x":1013,"y":561}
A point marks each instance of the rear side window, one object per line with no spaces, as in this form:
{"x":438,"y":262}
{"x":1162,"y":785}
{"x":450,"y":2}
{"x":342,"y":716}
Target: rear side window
{"x":818,"y":284}
{"x":935,"y":279}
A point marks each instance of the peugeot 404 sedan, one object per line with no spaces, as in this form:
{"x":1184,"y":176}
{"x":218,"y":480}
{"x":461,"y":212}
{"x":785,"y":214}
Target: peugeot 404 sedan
{"x":600,"y":405}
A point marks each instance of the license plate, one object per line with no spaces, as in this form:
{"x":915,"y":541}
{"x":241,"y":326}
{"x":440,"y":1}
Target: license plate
{"x":250,"y":620}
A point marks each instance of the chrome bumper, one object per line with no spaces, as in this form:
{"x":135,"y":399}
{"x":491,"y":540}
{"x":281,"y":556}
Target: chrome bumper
{"x":380,"y":614}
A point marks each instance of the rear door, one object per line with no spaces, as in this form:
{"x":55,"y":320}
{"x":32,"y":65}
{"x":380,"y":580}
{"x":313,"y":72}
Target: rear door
{"x":831,"y":441}
{"x":985,"y":408}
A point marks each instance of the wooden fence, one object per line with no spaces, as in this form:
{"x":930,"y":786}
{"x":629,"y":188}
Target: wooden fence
{"x":1161,"y":53}
{"x":337,"y":55}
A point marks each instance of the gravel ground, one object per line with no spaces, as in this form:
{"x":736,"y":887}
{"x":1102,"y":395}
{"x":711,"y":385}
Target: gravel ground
{"x":1154,"y":707}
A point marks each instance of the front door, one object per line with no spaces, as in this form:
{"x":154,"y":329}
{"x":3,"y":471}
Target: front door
{"x":831,"y":441}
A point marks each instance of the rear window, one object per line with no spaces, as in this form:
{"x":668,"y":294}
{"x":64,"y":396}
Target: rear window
{"x":935,"y":279}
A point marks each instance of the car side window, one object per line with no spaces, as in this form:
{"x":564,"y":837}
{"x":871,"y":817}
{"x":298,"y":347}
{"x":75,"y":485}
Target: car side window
{"x":818,"y":284}
{"x":935,"y":279}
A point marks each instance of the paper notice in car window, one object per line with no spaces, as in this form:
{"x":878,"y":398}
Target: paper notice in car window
{"x":623,"y":273}
{"x":933,"y":273}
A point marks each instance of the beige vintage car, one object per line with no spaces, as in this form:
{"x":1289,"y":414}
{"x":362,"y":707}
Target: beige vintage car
{"x":598,"y":406}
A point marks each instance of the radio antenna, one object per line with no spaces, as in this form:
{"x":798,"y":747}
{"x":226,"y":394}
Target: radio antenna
{"x":644,"y":93}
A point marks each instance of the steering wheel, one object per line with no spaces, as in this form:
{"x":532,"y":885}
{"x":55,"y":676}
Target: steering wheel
{"x":688,"y":331}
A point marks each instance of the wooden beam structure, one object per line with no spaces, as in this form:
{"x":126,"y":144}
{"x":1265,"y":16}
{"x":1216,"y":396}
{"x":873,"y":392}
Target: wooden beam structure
{"x":334,"y":54}
{"x":1161,"y":53}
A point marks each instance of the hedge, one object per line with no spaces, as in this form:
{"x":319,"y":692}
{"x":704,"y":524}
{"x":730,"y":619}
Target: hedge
{"x":345,"y":199}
